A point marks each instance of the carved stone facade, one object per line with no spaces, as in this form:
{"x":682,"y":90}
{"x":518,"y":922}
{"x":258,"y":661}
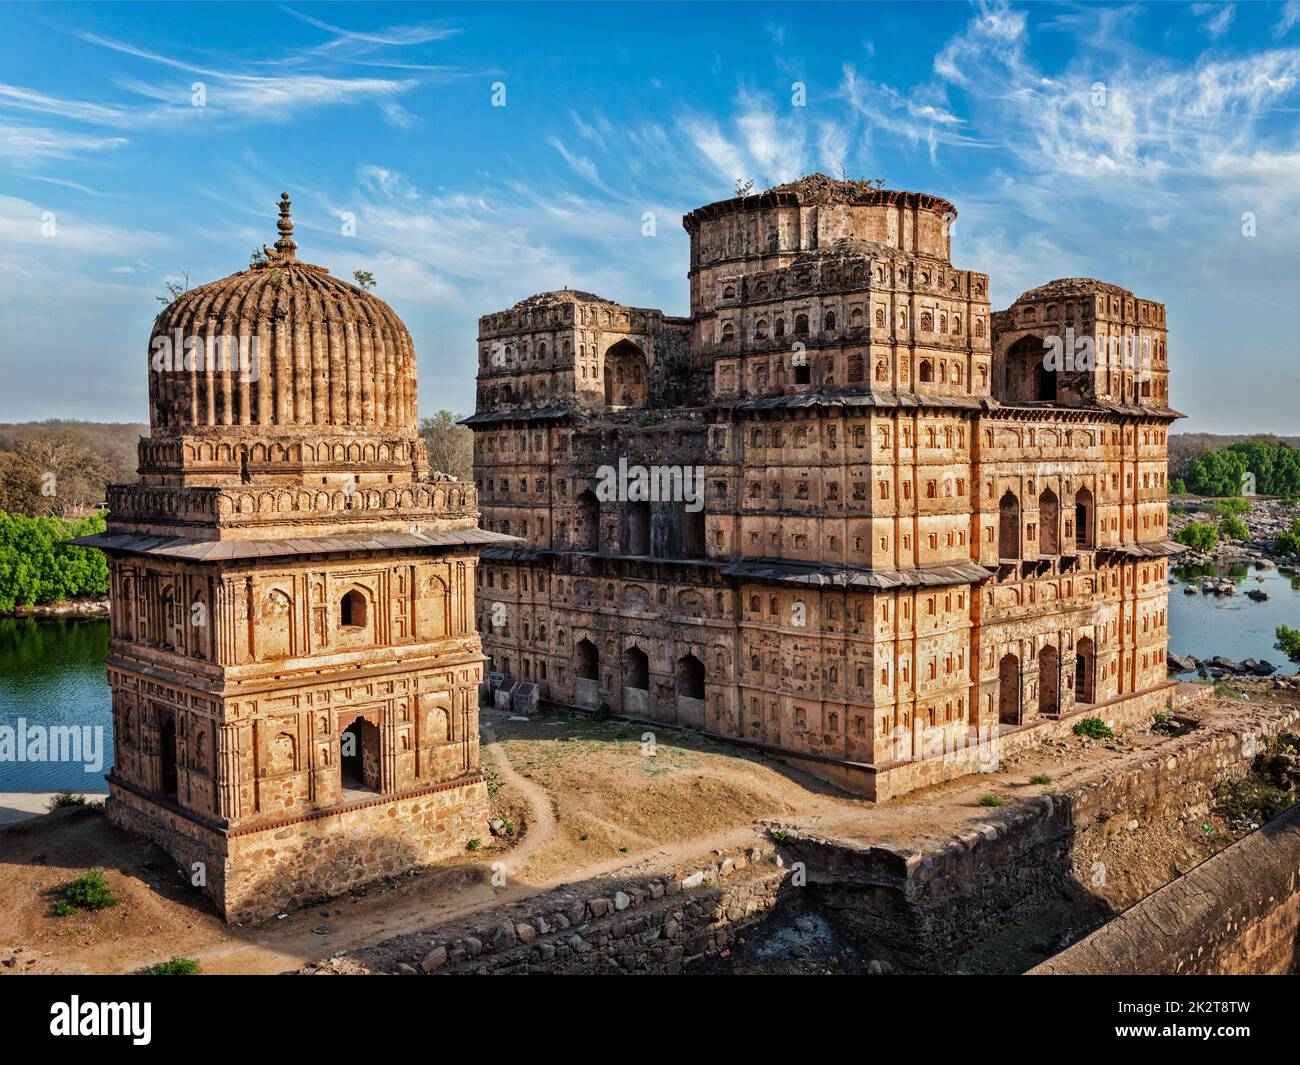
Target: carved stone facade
{"x":293,"y":659}
{"x":907,"y":548}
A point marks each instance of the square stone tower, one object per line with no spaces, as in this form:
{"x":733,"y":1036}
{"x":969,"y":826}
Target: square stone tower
{"x":294,"y":662}
{"x":919,"y":544}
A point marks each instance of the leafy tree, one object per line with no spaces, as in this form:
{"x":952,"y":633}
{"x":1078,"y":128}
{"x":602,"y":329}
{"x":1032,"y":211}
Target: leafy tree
{"x":450,"y":445}
{"x":1288,"y":642}
{"x":1218,"y":473}
{"x":364,"y":279}
{"x":37,"y":567}
{"x":1199,"y":535}
{"x":1177,"y":486}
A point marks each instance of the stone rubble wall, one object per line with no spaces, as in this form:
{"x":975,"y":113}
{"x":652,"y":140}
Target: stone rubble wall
{"x":1236,"y":913}
{"x":646,"y":925}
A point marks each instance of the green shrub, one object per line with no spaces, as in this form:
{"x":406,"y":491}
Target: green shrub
{"x":1094,"y":728}
{"x":1040,"y":778}
{"x":1233,"y":528}
{"x":1177,"y":487}
{"x":90,"y":891}
{"x":63,"y":908}
{"x":1199,"y":535}
{"x":992,"y":800}
{"x":1288,"y":543}
{"x":474,"y":844}
{"x":64,"y":798}
{"x":1233,"y":506}
{"x":494,"y":783}
{"x":175,"y":966}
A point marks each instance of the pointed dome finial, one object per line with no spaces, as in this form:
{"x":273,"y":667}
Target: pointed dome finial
{"x":286,"y":245}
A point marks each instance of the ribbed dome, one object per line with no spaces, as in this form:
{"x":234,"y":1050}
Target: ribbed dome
{"x":281,"y":346}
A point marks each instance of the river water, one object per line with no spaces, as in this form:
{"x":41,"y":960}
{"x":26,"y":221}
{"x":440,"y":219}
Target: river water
{"x":52,"y":676}
{"x":52,"y":670}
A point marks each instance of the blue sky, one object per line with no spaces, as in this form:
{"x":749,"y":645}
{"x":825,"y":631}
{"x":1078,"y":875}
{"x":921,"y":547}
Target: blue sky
{"x":385,"y":113}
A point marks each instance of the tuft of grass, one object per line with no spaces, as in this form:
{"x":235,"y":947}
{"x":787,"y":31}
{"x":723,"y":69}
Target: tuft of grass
{"x":992,"y":800}
{"x":474,"y":844}
{"x":1249,"y":804}
{"x":64,"y":798}
{"x":1040,"y":778}
{"x":1094,"y":728}
{"x":90,"y":891}
{"x":175,"y":966}
{"x":62,"y":908}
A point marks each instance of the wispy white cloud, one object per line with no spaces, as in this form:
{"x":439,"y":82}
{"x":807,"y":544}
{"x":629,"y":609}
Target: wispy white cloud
{"x":1215,"y":18}
{"x":1289,"y":19}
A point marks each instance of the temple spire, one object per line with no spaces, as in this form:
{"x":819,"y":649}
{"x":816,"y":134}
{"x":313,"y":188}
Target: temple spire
{"x":286,"y":246}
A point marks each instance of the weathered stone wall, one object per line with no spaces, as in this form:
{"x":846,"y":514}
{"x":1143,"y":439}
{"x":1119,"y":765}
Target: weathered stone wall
{"x":921,"y":910}
{"x":1237,"y":913}
{"x":915,"y":911}
{"x":252,"y":875}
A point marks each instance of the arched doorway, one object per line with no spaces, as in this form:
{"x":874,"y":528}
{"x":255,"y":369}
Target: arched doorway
{"x":636,"y":683}
{"x":1009,"y":526}
{"x":1009,"y":690}
{"x":690,"y":692}
{"x":636,"y":669}
{"x":1085,"y":670}
{"x":1083,"y":509}
{"x":625,"y":376}
{"x":1027,"y":377}
{"x":690,"y":677}
{"x":1049,"y":523}
{"x":586,"y":522}
{"x":167,"y":755}
{"x":359,"y":756}
{"x":588,"y":660}
{"x":1049,"y":681}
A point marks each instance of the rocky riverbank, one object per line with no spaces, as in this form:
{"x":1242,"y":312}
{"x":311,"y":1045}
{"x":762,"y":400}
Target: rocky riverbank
{"x":1265,"y":521}
{"x":91,"y":607}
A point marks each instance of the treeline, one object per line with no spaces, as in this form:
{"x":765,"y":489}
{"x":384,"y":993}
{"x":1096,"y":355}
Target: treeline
{"x":37,"y":567}
{"x":63,"y":469}
{"x":114,"y":442}
{"x":1186,"y":448}
{"x":1274,"y":465}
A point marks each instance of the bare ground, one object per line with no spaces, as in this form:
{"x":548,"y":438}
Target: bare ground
{"x":584,"y":798}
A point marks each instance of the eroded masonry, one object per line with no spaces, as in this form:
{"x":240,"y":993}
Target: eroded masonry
{"x":293,"y":659}
{"x":920,"y":537}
